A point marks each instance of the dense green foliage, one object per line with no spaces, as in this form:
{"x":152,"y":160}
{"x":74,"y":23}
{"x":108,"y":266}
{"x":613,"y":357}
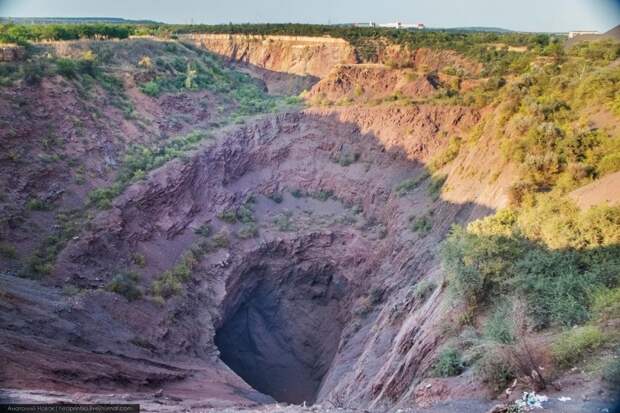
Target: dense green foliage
{"x":177,"y":70}
{"x":546,"y":125}
{"x":499,"y":327}
{"x":574,"y":343}
{"x":24,"y":33}
{"x":555,"y":271}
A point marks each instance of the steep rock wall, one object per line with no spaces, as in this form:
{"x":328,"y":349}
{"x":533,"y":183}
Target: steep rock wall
{"x":303,"y":56}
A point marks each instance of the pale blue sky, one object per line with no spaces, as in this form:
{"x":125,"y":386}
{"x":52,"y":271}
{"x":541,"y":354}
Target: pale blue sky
{"x":528,"y":15}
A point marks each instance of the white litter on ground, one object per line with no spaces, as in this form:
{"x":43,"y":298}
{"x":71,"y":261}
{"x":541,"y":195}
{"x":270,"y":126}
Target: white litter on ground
{"x":531,"y":401}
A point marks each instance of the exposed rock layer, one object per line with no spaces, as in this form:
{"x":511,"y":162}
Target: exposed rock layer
{"x":304,"y":56}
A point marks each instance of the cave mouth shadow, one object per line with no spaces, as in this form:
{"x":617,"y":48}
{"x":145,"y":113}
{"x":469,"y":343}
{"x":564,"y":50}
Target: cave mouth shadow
{"x":283,"y":331}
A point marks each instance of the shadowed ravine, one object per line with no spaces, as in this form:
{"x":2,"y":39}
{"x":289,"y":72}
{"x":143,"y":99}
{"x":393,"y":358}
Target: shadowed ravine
{"x":282,"y":335}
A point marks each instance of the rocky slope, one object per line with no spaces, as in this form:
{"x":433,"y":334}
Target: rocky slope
{"x":279,"y":259}
{"x":318,"y":259}
{"x":307,"y":59}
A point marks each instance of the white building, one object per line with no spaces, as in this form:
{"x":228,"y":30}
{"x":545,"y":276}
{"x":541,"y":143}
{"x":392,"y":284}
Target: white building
{"x":369,"y":24}
{"x":580,"y":33}
{"x":400,"y":25}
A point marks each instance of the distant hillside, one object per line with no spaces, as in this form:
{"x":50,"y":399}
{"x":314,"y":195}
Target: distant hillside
{"x":73,"y":20}
{"x":613,"y":34}
{"x":479,"y":29}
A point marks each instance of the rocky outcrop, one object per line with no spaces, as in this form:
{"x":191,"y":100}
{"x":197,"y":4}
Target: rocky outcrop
{"x":364,"y":82}
{"x":12,"y":53}
{"x":304,"y":56}
{"x":418,"y":131}
{"x":428,"y":60}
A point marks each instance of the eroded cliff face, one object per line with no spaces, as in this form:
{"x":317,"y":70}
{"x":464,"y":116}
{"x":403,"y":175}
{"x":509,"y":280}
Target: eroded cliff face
{"x":287,"y":64}
{"x":304,"y":56}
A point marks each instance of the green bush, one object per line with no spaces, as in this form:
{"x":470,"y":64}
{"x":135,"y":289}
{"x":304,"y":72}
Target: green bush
{"x":125,"y":284}
{"x":557,"y":291}
{"x":166,"y":286}
{"x":574,"y":345}
{"x":217,"y":241}
{"x":276,"y":197}
{"x":245,"y":214}
{"x":611,"y":373}
{"x":220,"y":240}
{"x":322,"y":195}
{"x":297,"y":193}
{"x":346,"y":159}
{"x":446,"y":156}
{"x":609,"y":163}
{"x":436,"y":185}
{"x":151,"y":88}
{"x":422,"y":225}
{"x":448,"y":363}
{"x":7,"y":250}
{"x":499,"y":327}
{"x":24,"y":33}
{"x":559,"y":224}
{"x":478,"y":265}
{"x":33,"y":72}
{"x":228,"y":215}
{"x":423,"y":290}
{"x":495,"y":368}
{"x":139,"y":259}
{"x":410,"y":184}
{"x":606,"y":304}
{"x":36,"y":204}
{"x":102,"y":197}
{"x":284,"y":222}
{"x":503,"y":255}
{"x":248,"y":231}
{"x":67,"y":68}
{"x":204,"y":230}
{"x":42,"y":260}
{"x":170,"y":283}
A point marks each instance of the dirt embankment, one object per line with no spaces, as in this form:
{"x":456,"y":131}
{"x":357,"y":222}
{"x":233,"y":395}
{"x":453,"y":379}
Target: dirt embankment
{"x":364,"y":83}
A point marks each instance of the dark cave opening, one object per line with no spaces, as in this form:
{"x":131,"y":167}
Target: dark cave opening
{"x":283,"y":332}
